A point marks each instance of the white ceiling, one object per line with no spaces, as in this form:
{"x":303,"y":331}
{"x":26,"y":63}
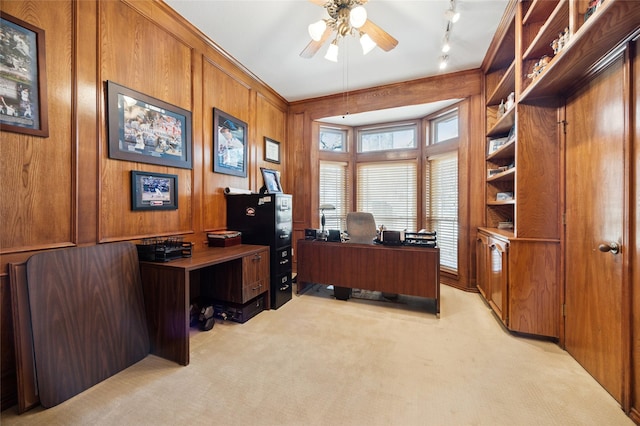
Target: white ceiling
{"x":267,"y":36}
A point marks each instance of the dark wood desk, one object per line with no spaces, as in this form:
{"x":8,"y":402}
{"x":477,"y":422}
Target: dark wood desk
{"x":169,"y":287}
{"x":408,"y":270}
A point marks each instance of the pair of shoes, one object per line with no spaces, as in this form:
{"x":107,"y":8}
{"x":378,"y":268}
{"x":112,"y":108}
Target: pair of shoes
{"x":206,"y":319}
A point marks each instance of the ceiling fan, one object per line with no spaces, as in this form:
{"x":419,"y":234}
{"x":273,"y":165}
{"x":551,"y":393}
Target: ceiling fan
{"x":346,"y":17}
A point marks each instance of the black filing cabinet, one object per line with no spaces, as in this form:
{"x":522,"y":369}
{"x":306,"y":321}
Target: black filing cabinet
{"x":266,"y":219}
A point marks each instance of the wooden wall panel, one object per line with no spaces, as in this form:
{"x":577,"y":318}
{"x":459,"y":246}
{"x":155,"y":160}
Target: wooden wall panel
{"x":271,"y":122}
{"x":223,"y":91}
{"x":163,"y":72}
{"x":36,"y":209}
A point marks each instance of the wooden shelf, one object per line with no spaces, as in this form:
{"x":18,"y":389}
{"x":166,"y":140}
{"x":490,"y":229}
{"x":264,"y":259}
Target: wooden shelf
{"x":539,"y":10}
{"x":505,"y":151}
{"x":503,"y":176}
{"x":506,"y":85}
{"x":504,"y":124}
{"x":615,"y":21}
{"x":501,"y":203}
{"x":557,"y":22}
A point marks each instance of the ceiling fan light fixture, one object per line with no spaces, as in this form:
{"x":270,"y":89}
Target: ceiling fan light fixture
{"x":317,"y":29}
{"x":332,"y":52}
{"x":357,"y":16}
{"x":367,"y":43}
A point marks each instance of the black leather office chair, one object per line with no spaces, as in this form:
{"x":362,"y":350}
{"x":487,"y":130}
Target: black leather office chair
{"x":361,"y":228}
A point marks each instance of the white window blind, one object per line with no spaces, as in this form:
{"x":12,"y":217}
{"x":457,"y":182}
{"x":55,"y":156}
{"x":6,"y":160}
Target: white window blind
{"x":389,"y":190}
{"x":442,"y":205}
{"x":335,"y":190}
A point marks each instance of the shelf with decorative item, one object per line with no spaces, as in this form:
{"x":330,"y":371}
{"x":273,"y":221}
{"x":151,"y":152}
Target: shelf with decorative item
{"x":603,"y":33}
{"x":503,"y":124}
{"x":500,"y":175}
{"x":504,"y":86}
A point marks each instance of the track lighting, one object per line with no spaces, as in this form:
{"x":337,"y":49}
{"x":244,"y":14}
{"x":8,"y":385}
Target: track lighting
{"x":445,"y":44}
{"x":444,"y":59}
{"x":451,"y":14}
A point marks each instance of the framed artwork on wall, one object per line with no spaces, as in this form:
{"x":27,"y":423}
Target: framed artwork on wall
{"x":23,"y":81}
{"x":147,"y":130}
{"x":229,"y":144}
{"x":153,"y":191}
{"x":271,"y":150}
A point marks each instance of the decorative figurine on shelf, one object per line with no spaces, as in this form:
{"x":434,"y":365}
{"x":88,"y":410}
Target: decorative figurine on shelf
{"x":565,"y":37}
{"x":539,"y":66}
{"x":501,"y":109}
{"x":510,"y":101}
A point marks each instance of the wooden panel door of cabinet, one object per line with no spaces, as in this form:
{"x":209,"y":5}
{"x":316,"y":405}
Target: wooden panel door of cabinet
{"x":595,"y":219}
{"x":482,"y":265}
{"x":498,"y":264}
{"x":255,"y":275}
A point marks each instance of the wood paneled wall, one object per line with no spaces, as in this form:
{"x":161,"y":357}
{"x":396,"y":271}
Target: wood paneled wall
{"x":64,"y":190}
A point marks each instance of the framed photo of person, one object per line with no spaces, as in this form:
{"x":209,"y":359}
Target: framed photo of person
{"x":23,"y":82}
{"x":153,"y":191}
{"x":147,"y":130}
{"x":229,"y":144}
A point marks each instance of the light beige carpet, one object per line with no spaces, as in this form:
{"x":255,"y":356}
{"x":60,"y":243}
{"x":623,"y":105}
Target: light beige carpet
{"x":321,"y":361}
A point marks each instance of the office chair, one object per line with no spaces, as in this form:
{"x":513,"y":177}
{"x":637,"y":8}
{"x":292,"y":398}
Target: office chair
{"x":361,"y":228}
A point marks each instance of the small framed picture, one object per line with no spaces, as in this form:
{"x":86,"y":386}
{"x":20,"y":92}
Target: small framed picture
{"x":271,"y":150}
{"x":271,"y":181}
{"x":147,"y":130}
{"x":23,"y":81}
{"x":153,"y":191}
{"x":229,"y":144}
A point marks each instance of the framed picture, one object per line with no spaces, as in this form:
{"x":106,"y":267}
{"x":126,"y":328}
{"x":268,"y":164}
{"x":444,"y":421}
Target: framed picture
{"x":271,"y":150}
{"x":229,"y":144}
{"x":271,"y":181}
{"x":147,"y":130}
{"x":153,"y":191}
{"x":23,"y":82}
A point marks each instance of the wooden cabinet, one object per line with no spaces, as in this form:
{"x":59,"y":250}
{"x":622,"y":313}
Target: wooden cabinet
{"x":237,"y":281}
{"x":493,"y":272}
{"x":522,"y":184}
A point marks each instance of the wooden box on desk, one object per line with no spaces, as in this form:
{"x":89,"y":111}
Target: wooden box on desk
{"x":224,"y":238}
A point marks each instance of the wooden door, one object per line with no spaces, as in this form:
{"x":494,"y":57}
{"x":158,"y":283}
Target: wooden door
{"x":595,"y":170}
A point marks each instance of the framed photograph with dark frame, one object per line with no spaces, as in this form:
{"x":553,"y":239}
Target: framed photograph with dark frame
{"x":271,"y":150}
{"x":23,"y":78}
{"x":153,"y":191}
{"x":271,"y":181}
{"x":229,"y":144}
{"x":147,"y":130}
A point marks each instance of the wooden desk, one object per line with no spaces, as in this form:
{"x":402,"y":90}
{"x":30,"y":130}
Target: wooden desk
{"x":408,"y":270}
{"x":169,"y":287}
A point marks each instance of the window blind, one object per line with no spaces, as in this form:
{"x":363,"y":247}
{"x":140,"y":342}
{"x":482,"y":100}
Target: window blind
{"x":389,"y":190}
{"x":442,"y":205}
{"x":335,"y":190}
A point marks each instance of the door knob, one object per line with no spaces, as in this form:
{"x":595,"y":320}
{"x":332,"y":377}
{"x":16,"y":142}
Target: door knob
{"x":614,"y":248}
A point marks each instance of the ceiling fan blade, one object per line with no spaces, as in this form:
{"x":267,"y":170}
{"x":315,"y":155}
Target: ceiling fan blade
{"x":380,"y":36}
{"x":313,"y":46}
{"x":319,"y":2}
